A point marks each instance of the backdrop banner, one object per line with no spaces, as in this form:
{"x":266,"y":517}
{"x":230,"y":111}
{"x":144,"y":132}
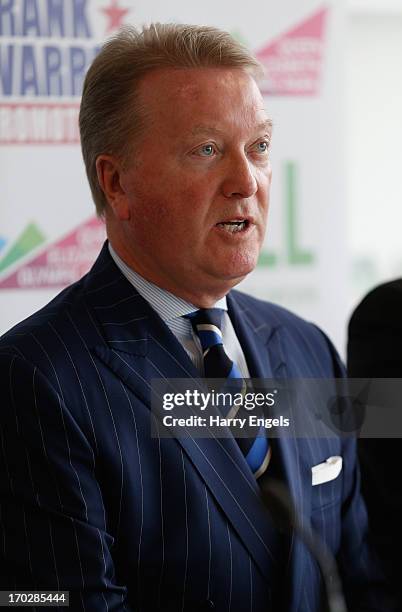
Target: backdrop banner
{"x":49,"y":235}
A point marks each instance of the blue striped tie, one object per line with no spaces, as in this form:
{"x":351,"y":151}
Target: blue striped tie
{"x":217,"y":364}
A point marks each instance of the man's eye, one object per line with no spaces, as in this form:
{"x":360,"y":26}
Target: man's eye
{"x":206,"y":150}
{"x":263,"y":146}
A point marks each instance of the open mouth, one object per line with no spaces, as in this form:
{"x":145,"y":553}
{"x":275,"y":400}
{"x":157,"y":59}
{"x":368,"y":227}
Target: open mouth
{"x":237,"y":225}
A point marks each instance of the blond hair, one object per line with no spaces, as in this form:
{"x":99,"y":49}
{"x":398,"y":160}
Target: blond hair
{"x":110,"y":115}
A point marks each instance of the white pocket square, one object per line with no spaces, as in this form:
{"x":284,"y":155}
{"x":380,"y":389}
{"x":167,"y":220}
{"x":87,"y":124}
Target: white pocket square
{"x":324,"y":472}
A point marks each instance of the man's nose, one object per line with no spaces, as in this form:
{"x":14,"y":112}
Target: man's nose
{"x":239,"y":179}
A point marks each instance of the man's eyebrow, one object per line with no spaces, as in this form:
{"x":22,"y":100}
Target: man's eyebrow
{"x":265,"y":125}
{"x":202,"y":128}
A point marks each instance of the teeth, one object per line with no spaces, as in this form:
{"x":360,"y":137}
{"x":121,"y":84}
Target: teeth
{"x":233,"y":226}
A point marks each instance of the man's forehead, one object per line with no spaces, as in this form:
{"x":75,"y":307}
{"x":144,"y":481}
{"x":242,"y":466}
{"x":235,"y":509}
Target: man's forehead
{"x":191,"y":83}
{"x":193,"y":101}
{"x":262,"y":126}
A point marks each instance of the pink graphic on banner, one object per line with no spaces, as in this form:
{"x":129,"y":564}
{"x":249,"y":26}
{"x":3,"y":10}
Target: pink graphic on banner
{"x":62,"y":262}
{"x":115,"y":15}
{"x":293,"y":61}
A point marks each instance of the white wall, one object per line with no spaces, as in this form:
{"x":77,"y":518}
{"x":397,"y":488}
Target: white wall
{"x":374,"y":144}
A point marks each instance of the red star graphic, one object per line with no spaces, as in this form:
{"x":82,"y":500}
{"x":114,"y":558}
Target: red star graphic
{"x":115,"y":15}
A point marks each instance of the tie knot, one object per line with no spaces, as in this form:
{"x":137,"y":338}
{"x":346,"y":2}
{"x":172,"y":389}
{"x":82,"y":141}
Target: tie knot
{"x":206,"y":316}
{"x":207,"y":323}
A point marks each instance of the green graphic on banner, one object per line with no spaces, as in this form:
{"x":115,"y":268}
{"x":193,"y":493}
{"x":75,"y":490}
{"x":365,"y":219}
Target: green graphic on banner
{"x":267,"y":259}
{"x":30,"y":238}
{"x":293,"y":254}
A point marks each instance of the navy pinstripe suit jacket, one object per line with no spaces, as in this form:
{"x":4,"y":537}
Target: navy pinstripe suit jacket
{"x":91,"y":503}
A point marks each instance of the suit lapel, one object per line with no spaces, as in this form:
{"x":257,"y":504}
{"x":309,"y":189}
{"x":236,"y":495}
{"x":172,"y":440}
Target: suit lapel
{"x":264,"y":346}
{"x":254,"y":336}
{"x":138,"y":347}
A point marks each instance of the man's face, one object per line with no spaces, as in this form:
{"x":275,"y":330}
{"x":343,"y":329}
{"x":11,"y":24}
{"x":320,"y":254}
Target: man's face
{"x":197,"y":185}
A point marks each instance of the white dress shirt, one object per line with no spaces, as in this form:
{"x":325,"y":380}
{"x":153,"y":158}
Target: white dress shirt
{"x":172,"y":311}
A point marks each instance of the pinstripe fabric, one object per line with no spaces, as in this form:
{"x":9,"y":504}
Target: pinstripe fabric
{"x":91,"y":503}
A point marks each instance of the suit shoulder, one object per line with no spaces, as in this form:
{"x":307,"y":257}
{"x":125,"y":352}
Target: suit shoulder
{"x":384,"y":301}
{"x":296,"y":335}
{"x":261,"y":311}
{"x":389,"y":291}
{"x":30,"y":337}
{"x":277,"y":315}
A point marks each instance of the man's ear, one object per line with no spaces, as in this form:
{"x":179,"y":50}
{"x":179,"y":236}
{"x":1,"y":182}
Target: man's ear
{"x":109,"y":171}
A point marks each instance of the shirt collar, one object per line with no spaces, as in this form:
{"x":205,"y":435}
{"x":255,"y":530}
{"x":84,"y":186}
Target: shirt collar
{"x":167,"y":305}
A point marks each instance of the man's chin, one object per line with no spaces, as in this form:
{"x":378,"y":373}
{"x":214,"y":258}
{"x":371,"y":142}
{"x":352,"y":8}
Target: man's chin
{"x":242,"y":265}
{"x":235,"y":274}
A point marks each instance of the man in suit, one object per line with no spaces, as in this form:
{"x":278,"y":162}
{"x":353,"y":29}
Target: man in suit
{"x":175,"y":140}
{"x":375,"y":351}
